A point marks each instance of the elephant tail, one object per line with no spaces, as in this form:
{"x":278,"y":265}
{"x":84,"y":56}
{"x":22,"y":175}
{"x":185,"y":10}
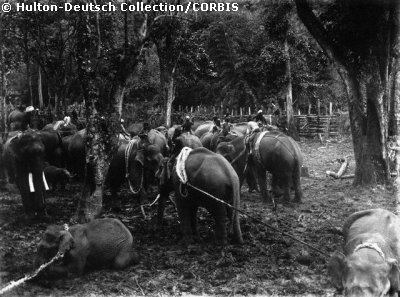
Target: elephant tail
{"x":235,"y":219}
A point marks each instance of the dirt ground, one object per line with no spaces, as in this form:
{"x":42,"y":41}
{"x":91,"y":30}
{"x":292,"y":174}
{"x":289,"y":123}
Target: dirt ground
{"x":266,"y":264}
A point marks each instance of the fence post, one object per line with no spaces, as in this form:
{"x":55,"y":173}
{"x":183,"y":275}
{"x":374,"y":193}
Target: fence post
{"x":330,"y":108}
{"x":249,"y":110}
{"x":319,"y":106}
{"x":309,"y":108}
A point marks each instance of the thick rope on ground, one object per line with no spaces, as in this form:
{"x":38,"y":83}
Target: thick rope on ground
{"x":180,"y":164}
{"x":14,"y":284}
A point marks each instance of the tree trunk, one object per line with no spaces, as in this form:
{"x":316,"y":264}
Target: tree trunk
{"x":367,"y":95}
{"x":3,"y":125}
{"x":292,"y":131}
{"x":170,"y":100}
{"x":40,"y":93}
{"x":28,"y":69}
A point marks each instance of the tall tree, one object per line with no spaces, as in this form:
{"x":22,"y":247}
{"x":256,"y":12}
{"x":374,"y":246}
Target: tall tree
{"x":361,"y":39}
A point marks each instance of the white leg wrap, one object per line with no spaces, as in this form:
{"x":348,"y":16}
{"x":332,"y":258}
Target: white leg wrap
{"x":30,"y":180}
{"x":45,"y":182}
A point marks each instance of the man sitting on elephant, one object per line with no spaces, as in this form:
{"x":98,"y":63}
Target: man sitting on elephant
{"x":187,"y":125}
{"x":259,"y":118}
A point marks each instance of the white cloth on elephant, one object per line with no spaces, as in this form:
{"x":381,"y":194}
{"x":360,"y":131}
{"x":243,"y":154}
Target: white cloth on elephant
{"x":180,"y":164}
{"x":251,"y":126}
{"x":257,"y":145}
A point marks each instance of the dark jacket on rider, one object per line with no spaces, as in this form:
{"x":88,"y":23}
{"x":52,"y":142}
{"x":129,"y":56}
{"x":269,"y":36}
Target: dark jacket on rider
{"x":260,"y":118}
{"x":187,"y":125}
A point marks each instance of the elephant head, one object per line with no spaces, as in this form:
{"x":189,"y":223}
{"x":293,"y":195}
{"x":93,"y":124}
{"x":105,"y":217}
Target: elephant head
{"x":55,"y":239}
{"x":28,"y":151}
{"x":144,"y":163}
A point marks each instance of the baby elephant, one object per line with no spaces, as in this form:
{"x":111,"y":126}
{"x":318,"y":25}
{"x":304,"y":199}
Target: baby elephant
{"x":101,"y":243}
{"x":57,"y":176}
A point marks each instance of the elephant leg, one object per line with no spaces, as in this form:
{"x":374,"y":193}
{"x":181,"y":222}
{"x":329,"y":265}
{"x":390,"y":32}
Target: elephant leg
{"x":285,"y":181}
{"x":161,"y":207}
{"x":185,"y":212}
{"x":193,"y":223}
{"x":125,"y":258}
{"x":261,"y":175}
{"x":220,"y":218}
{"x":298,"y":194}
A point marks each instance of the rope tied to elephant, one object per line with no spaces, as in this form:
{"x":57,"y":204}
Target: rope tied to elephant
{"x":128,"y":151}
{"x":180,"y":164}
{"x":14,"y":284}
{"x":283,"y":233}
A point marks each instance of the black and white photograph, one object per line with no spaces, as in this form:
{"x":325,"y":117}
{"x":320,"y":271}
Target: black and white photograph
{"x":200,"y":148}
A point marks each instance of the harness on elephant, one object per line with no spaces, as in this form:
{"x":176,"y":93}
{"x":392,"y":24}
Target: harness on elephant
{"x":255,"y":149}
{"x":181,"y":170}
{"x":128,"y":151}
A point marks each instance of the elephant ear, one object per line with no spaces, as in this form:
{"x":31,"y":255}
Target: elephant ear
{"x":336,"y":267}
{"x":394,"y":275}
{"x":140,"y":157}
{"x":66,"y":241}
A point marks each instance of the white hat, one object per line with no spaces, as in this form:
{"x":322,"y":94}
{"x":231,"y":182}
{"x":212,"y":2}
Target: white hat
{"x":260,"y":111}
{"x":29,"y":109}
{"x":187,"y":117}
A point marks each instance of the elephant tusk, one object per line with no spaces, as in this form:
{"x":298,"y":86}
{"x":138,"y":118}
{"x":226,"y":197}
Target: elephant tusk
{"x":46,"y":186}
{"x":30,"y":180}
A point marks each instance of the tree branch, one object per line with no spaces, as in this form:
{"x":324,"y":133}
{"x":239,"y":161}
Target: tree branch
{"x":320,"y":34}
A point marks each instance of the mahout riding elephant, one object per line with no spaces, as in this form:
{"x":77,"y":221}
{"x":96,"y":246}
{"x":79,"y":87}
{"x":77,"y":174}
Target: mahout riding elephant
{"x":137,"y":160}
{"x":235,"y":152}
{"x":281,"y":156}
{"x":101,"y":243}
{"x":26,"y":153}
{"x":213,"y":174}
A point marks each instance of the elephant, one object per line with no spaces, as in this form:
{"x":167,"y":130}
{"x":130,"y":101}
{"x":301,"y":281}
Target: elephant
{"x":235,"y":152}
{"x":25,"y":153}
{"x":203,"y":128}
{"x":101,"y":243}
{"x":137,"y":161}
{"x":54,"y":148}
{"x":369,"y":265}
{"x":281,"y":156}
{"x":62,"y":128}
{"x":211,"y":140}
{"x":209,"y":172}
{"x":181,"y":139}
{"x":21,"y":120}
{"x":74,"y":147}
{"x":57,"y":176}
{"x":134,"y":129}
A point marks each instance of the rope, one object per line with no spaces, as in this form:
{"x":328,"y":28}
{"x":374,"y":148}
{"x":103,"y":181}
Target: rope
{"x":14,"y":284}
{"x":128,"y":151}
{"x":261,"y":222}
{"x":180,"y":164}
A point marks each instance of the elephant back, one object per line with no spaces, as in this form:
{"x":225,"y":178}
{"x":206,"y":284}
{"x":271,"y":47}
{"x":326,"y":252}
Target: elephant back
{"x":202,"y":129}
{"x":157,"y":138}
